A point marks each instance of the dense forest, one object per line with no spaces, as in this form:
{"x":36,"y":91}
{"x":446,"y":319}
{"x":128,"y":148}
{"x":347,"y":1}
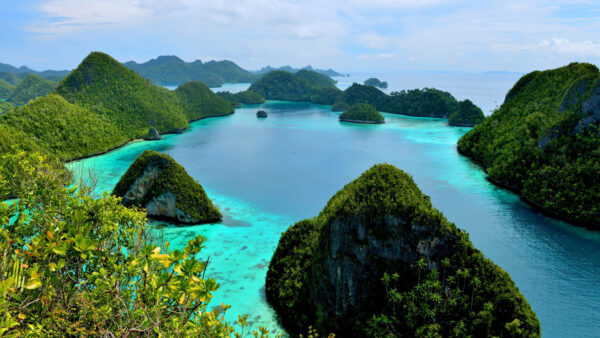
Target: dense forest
{"x":467,"y":114}
{"x":31,"y":87}
{"x":23,"y":71}
{"x":290,"y":69}
{"x":544,"y":142}
{"x":245,"y":97}
{"x":375,"y":82}
{"x":362,"y":113}
{"x":198,"y":101}
{"x":304,"y":86}
{"x":381,"y":261}
{"x":171,"y":70}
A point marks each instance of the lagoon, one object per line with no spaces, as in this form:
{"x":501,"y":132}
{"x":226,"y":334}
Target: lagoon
{"x":266,"y":174}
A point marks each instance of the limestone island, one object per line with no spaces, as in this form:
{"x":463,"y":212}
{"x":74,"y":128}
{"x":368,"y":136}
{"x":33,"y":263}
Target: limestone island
{"x":261,"y":113}
{"x":162,"y":186}
{"x":466,"y":115}
{"x":374,"y":82}
{"x":380,"y":259}
{"x":362,"y":113}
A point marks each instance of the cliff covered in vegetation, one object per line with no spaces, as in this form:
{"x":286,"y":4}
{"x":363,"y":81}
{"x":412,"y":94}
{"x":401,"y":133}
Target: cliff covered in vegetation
{"x":160,"y":185}
{"x":544,"y":142}
{"x":380,"y":261}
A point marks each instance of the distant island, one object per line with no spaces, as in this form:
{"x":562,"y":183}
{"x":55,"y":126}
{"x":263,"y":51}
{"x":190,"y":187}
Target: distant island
{"x":245,"y":97}
{"x":362,"y":113}
{"x":21,"y":72}
{"x":328,"y":72}
{"x":380,"y":259}
{"x":467,"y":114}
{"x":303,"y":86}
{"x":543,"y":143}
{"x":171,"y":70}
{"x":159,"y":184}
{"x":374,"y":82}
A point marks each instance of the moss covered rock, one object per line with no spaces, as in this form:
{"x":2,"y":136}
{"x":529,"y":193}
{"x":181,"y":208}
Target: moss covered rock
{"x":380,"y":259}
{"x":162,"y":186}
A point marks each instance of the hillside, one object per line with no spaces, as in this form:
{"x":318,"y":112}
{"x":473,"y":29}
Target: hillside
{"x":306,"y":86}
{"x":67,"y":130}
{"x":466,"y":115}
{"x":362,"y":113}
{"x":52,"y":75}
{"x":380,"y":259}
{"x":544,"y":142}
{"x":198,"y":101}
{"x":132,"y":103}
{"x":6,"y":89}
{"x":163,"y":187}
{"x":328,"y":72}
{"x":171,"y":70}
{"x":30,"y":88}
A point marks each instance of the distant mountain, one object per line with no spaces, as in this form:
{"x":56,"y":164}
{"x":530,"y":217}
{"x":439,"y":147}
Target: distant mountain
{"x":171,"y":70}
{"x":21,"y":72}
{"x":328,"y":72}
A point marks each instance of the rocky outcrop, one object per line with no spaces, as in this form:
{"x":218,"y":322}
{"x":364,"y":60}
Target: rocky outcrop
{"x":329,"y":271}
{"x":153,"y":135}
{"x":590,"y":109}
{"x":261,"y":113}
{"x":160,"y":185}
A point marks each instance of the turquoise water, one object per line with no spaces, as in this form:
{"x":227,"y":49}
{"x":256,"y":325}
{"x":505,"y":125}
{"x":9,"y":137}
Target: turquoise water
{"x":266,"y":174}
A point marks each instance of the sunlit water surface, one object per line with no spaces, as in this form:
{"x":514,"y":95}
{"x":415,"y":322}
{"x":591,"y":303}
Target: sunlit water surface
{"x":266,"y":174}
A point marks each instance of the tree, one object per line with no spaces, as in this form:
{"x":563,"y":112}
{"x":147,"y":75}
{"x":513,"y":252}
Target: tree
{"x":74,"y":265}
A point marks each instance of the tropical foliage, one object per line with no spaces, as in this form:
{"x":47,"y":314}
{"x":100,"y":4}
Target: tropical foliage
{"x":31,"y":87}
{"x":245,"y":97}
{"x":467,"y":115}
{"x":199,"y":102}
{"x":309,"y":86}
{"x":544,"y":142}
{"x":362,"y":112}
{"x":67,"y":130}
{"x":6,"y":89}
{"x":72,"y":265}
{"x":453,"y":292}
{"x":171,"y":177}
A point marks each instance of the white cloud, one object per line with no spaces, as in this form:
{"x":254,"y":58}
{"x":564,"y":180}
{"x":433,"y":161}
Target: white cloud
{"x":557,"y":46}
{"x":372,"y":41}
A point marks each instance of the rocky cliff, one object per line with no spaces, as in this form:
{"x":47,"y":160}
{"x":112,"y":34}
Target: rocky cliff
{"x":160,"y":185}
{"x":361,"y":267}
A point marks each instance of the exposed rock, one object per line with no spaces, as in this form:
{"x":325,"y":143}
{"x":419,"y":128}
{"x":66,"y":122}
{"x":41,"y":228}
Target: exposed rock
{"x":153,"y":135}
{"x":160,"y":185}
{"x":575,"y":94}
{"x":590,"y":109}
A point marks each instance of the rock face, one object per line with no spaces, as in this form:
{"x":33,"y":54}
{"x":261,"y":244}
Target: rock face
{"x":160,"y":185}
{"x":329,"y":271}
{"x":153,"y":135}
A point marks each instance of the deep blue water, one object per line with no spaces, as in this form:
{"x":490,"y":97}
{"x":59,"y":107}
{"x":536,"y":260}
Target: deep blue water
{"x":266,"y":174}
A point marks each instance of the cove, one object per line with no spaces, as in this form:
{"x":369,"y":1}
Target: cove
{"x":266,"y":174}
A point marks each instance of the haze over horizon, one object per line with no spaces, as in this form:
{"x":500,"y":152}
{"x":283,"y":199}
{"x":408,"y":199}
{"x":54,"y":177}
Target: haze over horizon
{"x":353,"y":35}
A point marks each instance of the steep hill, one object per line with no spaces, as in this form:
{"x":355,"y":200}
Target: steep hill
{"x":380,"y":260}
{"x":306,"y":86}
{"x":52,"y":75}
{"x":132,"y":103}
{"x":160,"y":185}
{"x":67,"y":130}
{"x":171,"y":70}
{"x":30,"y":88}
{"x":544,"y":142}
{"x":198,"y":101}
{"x":6,"y":89}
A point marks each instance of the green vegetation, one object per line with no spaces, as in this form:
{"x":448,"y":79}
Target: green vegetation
{"x":544,"y":142}
{"x":104,"y":86}
{"x":374,"y":82}
{"x":67,"y":130}
{"x":10,"y":78}
{"x":168,"y":177}
{"x":245,"y":97}
{"x":362,"y":113}
{"x":72,"y":265}
{"x":359,"y":269}
{"x":467,"y":115}
{"x":261,"y":113}
{"x":4,"y":106}
{"x":6,"y":89}
{"x":327,"y":72}
{"x":316,"y":79}
{"x":31,"y":87}
{"x":198,"y":101}
{"x":306,"y":87}
{"x":171,"y":70}
{"x":427,"y":102}
{"x":340,"y":106}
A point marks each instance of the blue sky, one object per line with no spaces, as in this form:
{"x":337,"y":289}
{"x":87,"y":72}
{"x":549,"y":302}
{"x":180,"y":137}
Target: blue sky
{"x":348,"y":35}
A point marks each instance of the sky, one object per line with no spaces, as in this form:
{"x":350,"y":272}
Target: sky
{"x":347,"y":35}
